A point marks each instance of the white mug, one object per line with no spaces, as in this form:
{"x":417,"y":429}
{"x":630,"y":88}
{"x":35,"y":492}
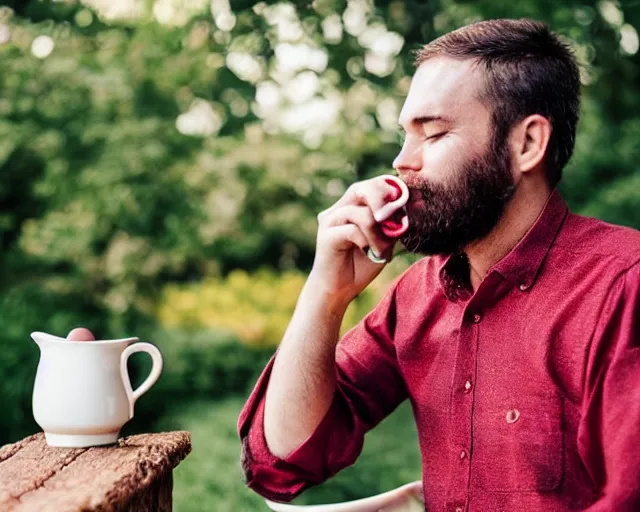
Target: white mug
{"x":82,"y":394}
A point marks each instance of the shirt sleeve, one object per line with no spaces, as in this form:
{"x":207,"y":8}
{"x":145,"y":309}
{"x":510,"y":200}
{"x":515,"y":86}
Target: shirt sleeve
{"x":369,"y":386}
{"x":609,"y":431}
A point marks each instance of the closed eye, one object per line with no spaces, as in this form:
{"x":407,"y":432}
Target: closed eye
{"x":436,"y":136}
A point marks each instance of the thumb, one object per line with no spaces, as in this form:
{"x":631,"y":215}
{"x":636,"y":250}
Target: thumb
{"x":80,"y":334}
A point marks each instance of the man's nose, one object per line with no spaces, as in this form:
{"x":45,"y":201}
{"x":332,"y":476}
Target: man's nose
{"x":409,"y":159}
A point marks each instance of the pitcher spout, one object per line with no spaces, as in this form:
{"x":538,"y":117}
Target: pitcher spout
{"x":43,"y":339}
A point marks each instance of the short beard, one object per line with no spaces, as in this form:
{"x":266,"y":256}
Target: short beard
{"x":463,"y":210}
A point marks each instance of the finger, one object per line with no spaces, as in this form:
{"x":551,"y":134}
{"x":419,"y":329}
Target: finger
{"x":80,"y":334}
{"x":346,"y":236}
{"x":383,"y":194}
{"x":362,"y":217}
{"x":396,"y":225}
{"x":374,"y":193}
{"x":394,"y":200}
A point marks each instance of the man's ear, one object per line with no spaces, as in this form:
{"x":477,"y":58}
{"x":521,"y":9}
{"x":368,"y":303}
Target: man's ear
{"x":531,"y":139}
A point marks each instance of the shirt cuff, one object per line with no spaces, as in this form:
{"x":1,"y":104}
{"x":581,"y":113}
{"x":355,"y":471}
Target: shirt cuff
{"x":273,"y":477}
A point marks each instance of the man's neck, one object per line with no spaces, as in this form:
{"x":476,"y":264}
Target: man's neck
{"x":520,"y":214}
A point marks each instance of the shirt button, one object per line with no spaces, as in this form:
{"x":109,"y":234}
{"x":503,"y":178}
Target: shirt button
{"x":513,"y":415}
{"x":477,"y":318}
{"x":463,"y":454}
{"x":467,"y":386}
{"x":459,"y":509}
{"x":524,"y":287}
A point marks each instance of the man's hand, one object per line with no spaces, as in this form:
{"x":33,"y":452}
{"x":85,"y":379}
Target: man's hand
{"x":341,"y":269}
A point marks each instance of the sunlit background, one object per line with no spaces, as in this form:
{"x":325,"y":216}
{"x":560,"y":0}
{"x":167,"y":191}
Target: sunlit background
{"x":163,"y":163}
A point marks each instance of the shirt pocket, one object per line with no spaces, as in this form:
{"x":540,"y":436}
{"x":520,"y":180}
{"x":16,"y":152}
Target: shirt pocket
{"x":519,"y":447}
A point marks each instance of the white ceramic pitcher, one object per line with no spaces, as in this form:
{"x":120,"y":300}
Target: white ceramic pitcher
{"x":82,"y":394}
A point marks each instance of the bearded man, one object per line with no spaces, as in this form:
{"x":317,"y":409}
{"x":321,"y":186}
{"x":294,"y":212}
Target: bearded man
{"x":516,"y":339}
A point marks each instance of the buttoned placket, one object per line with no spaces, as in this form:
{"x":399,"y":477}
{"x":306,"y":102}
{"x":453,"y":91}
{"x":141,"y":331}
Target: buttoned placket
{"x":463,"y":393}
{"x":462,"y":410}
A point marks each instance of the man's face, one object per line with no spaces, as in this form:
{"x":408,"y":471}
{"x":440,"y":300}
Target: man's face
{"x":459,"y":175}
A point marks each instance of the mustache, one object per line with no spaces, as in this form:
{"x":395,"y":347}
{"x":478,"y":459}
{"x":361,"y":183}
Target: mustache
{"x":419,"y":188}
{"x":426,"y":191}
{"x":412,"y":182}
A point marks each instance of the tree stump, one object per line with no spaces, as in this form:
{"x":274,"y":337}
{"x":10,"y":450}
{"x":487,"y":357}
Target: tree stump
{"x":133,"y":475}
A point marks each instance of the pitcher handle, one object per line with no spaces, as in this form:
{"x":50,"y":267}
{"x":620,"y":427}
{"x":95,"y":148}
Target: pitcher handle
{"x":156,"y":369}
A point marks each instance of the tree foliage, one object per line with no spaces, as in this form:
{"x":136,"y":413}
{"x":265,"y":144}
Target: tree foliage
{"x":173,"y":140}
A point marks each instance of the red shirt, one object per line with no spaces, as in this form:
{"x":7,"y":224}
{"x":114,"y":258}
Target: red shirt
{"x":526,"y":393}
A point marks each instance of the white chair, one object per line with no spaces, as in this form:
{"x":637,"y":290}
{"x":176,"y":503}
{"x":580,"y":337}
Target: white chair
{"x":408,"y":498}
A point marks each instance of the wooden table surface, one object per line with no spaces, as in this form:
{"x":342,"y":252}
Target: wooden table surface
{"x":37,"y":477}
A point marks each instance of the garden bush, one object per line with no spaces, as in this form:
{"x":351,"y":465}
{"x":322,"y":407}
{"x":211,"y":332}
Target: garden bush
{"x":256,"y":307}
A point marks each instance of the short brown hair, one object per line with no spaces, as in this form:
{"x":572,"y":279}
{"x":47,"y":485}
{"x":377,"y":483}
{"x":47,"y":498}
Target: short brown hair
{"x":528,"y":70}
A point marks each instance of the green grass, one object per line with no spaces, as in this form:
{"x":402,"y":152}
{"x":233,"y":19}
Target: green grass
{"x":210,"y":477}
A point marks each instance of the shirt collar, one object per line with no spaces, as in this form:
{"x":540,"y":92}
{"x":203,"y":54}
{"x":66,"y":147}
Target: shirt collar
{"x":522,"y":264}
